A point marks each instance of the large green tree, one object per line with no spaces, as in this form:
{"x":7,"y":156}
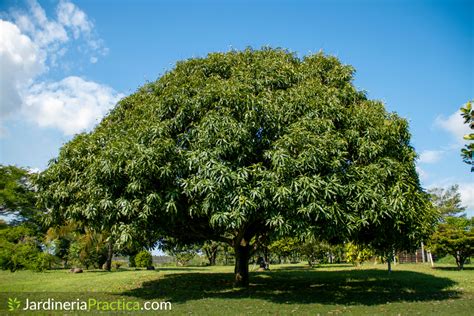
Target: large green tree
{"x":238,"y":145}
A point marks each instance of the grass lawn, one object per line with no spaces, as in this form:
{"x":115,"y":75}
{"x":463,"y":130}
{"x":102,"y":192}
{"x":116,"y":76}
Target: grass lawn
{"x":286,"y":289}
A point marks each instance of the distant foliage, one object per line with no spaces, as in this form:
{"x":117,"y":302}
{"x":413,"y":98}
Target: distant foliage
{"x":183,"y":254}
{"x":143,"y":259}
{"x":447,"y":202}
{"x":316,"y":251}
{"x":455,"y":237}
{"x":357,"y":254}
{"x":20,"y":249}
{"x":17,"y":193}
{"x":285,"y":247}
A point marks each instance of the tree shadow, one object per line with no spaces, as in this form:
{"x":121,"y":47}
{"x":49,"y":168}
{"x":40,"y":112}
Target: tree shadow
{"x":454,"y":268}
{"x":180,"y":269}
{"x":105,"y":271}
{"x":308,"y":268}
{"x":347,"y":287}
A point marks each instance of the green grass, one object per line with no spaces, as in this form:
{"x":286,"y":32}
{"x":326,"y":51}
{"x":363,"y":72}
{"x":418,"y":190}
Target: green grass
{"x":286,"y":289}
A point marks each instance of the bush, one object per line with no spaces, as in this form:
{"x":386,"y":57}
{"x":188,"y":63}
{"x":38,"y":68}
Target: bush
{"x":23,"y":256}
{"x":316,"y":251}
{"x":143,"y":259}
{"x":19,"y":249}
{"x":43,"y":261}
{"x":117,"y":264}
{"x":357,"y":254}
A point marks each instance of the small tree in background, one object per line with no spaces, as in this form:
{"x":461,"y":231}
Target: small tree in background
{"x":455,"y":237}
{"x":17,"y":194}
{"x":315,"y":251}
{"x":183,"y":253}
{"x":447,"y":202}
{"x":284,"y":248}
{"x":211,"y":249}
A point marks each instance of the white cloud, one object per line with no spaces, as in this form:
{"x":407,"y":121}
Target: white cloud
{"x":454,"y":124}
{"x":20,"y":62}
{"x":71,"y":16}
{"x":71,"y":105}
{"x":43,"y":31}
{"x":430,"y":156}
{"x":29,"y":46}
{"x":467,"y":195}
{"x":52,"y":34}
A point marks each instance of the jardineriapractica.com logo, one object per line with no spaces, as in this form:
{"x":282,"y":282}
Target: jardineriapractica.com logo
{"x":90,"y":304}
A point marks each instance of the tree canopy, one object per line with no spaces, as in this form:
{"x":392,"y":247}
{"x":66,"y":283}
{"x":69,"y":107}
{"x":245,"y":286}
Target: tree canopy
{"x":455,"y":237}
{"x":237,"y":145}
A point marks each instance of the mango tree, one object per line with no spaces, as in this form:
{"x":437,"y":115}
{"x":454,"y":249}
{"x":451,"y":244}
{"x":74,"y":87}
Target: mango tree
{"x":239,"y":145}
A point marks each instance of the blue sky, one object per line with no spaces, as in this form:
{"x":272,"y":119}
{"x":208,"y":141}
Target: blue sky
{"x":64,"y":64}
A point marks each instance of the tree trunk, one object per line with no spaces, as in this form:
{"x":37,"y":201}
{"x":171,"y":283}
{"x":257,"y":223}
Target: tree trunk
{"x":459,"y":261}
{"x":241,"y":271}
{"x":110,"y":254}
{"x":266,"y":257}
{"x":211,"y":254}
{"x":213,"y":257}
{"x":422,"y":252}
{"x":430,"y":258}
{"x":389,"y":261}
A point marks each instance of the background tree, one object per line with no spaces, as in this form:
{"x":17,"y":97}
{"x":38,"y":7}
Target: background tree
{"x":211,"y":249}
{"x":454,"y":232}
{"x":284,"y":248}
{"x":181,"y":252}
{"x":447,"y":201}
{"x":20,"y":248}
{"x":59,"y":239}
{"x":467,"y":153}
{"x":78,"y":246}
{"x":238,"y":145}
{"x":315,"y":251}
{"x":17,"y":196}
{"x":455,"y":237}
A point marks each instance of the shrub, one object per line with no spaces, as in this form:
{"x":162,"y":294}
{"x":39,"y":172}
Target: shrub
{"x":357,"y":254}
{"x":316,"y":251}
{"x":43,"y":261}
{"x":143,"y":259}
{"x":117,"y":264}
{"x":19,"y":249}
